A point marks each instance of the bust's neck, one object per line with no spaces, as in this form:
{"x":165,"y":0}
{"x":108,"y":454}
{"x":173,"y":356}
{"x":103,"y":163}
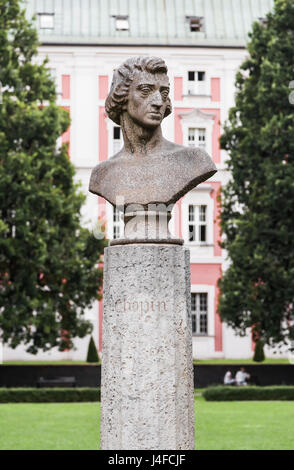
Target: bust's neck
{"x":137,"y":139}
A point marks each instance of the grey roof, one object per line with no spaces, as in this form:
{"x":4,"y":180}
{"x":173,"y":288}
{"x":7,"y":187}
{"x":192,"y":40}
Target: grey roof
{"x":152,"y":22}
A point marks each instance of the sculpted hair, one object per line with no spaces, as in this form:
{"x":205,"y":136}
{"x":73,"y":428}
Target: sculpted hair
{"x":122,"y":79}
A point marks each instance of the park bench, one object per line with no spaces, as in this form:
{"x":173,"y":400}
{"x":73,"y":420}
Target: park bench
{"x":56,"y":382}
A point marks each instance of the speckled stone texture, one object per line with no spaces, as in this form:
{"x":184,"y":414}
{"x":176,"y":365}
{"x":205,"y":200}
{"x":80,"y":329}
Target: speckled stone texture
{"x":147,"y":371}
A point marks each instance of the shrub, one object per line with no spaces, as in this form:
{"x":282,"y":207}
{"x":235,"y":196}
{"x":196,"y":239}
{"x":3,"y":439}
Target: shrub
{"x":92,"y":355}
{"x":259,"y":352}
{"x":247,"y":393}
{"x":48,"y":395}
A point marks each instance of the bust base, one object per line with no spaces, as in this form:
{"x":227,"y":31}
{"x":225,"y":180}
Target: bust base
{"x":147,"y":392}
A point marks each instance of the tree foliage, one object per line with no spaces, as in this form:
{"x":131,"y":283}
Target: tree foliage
{"x":257,"y":217}
{"x":48,"y":262}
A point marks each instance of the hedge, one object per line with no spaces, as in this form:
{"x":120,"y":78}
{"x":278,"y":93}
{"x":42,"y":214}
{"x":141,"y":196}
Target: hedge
{"x":48,"y":395}
{"x":246,"y":393}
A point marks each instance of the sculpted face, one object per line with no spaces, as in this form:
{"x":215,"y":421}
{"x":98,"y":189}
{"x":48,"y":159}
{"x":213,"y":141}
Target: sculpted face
{"x":148,"y":98}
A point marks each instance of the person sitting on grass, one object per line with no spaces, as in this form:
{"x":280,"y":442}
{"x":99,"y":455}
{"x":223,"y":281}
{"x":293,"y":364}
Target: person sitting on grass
{"x":241,"y":377}
{"x":228,"y":379}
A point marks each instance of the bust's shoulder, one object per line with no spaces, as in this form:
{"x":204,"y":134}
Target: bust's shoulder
{"x":97,"y":175}
{"x":191,"y":155}
{"x":183,"y":150}
{"x":100,"y":170}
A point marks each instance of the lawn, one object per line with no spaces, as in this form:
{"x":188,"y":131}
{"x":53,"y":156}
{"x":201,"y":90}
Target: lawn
{"x":219,"y":425}
{"x":197,"y":361}
{"x":241,"y":361}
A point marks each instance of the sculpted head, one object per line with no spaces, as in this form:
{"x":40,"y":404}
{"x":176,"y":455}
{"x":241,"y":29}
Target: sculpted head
{"x":140,"y":88}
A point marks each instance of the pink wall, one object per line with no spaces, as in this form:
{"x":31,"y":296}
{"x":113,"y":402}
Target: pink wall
{"x":103,"y":87}
{"x":65,"y":80}
{"x":178,"y":125}
{"x":178,"y":88}
{"x":203,"y":273}
{"x":209,"y":274}
{"x":215,"y":89}
{"x":65,"y":138}
{"x":103,"y":137}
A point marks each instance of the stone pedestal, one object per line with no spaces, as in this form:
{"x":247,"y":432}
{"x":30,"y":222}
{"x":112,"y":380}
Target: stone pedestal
{"x":147,"y":371}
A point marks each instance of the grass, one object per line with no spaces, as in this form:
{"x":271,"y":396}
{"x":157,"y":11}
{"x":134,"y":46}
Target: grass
{"x":197,"y":361}
{"x":219,"y":425}
{"x":240,"y":361}
{"x":49,"y":426}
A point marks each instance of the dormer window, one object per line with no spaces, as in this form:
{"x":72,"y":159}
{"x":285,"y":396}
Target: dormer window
{"x":46,"y":20}
{"x":196,"y":23}
{"x":262,"y":21}
{"x":122,"y":23}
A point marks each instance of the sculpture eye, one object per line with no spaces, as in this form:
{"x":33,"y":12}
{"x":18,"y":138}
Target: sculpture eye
{"x":145,"y":90}
{"x":164,"y":94}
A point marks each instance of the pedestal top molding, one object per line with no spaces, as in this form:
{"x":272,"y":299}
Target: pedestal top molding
{"x":148,"y":170}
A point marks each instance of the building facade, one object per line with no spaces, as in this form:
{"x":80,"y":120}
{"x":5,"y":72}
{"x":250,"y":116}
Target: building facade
{"x":203,"y":44}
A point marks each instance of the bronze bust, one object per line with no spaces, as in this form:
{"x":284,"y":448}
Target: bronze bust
{"x":148,"y":169}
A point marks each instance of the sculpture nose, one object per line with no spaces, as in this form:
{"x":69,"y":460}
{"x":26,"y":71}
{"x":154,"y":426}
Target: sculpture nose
{"x":157,"y":99}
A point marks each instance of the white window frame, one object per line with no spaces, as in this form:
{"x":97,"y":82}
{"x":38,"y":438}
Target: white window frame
{"x":196,"y":87}
{"x":110,"y":129}
{"x":210,"y":291}
{"x":197,"y":314}
{"x":199,"y":120}
{"x":196,"y":223}
{"x":200,"y":196}
{"x":110,"y":222}
{"x":197,"y":141}
{"x":116,"y":141}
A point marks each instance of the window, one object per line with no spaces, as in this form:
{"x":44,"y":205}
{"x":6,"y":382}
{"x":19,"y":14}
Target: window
{"x":117,"y":139}
{"x":197,"y":221}
{"x":196,"y":82}
{"x":196,"y":23}
{"x":197,"y":137}
{"x":199,"y":313}
{"x":118,"y":224}
{"x":262,"y":21}
{"x":122,"y":23}
{"x":46,"y":20}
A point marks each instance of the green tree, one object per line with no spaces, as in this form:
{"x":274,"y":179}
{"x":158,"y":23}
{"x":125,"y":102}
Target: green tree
{"x":48,"y":262}
{"x":257,"y":290}
{"x":92,"y":355}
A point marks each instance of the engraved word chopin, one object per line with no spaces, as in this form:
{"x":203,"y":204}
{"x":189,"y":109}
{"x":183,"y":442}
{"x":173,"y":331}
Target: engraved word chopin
{"x":141,"y":306}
